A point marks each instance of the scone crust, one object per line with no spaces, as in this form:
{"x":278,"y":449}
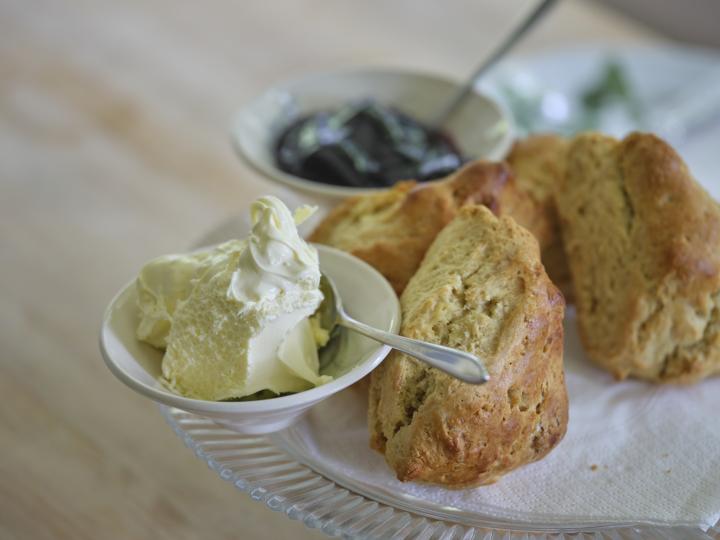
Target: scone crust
{"x":643,"y":243}
{"x":480,"y":288}
{"x":538,"y":165}
{"x":392,"y":229}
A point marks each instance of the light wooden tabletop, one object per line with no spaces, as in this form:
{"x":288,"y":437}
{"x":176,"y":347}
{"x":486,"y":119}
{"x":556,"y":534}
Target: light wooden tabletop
{"x":114,"y":149}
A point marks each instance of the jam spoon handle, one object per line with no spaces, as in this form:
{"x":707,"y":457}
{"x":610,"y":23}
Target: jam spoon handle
{"x":456,"y":100}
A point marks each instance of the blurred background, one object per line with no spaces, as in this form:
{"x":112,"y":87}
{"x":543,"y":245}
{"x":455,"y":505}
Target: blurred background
{"x":114,"y":148}
{"x":695,"y":21}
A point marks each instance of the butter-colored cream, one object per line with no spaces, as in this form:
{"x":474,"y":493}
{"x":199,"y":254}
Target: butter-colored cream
{"x":234,"y":319}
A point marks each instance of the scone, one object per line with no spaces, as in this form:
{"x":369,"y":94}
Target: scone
{"x":538,"y":164}
{"x":392,"y":229}
{"x":481,"y":288}
{"x":643,"y":243}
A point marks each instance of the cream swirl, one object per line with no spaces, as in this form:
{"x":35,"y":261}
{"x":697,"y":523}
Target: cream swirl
{"x":278,"y":266}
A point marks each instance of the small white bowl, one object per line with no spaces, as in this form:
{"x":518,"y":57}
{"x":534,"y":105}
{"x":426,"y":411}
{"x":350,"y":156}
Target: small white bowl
{"x":481,"y":127}
{"x":366,"y":295}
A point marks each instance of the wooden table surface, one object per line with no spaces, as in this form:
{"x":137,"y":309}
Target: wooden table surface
{"x":114,"y":149}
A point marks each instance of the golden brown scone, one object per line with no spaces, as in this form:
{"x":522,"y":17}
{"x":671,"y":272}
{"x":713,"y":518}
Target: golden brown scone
{"x":643,"y":242}
{"x":392,"y":229}
{"x":481,"y":288}
{"x":538,"y":164}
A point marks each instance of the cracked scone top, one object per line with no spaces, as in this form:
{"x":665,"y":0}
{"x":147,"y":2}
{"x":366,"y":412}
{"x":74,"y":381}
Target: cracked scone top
{"x":480,"y":288}
{"x":642,"y":239}
{"x":392,"y":229}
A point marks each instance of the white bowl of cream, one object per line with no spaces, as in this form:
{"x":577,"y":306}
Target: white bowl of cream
{"x":196,"y":330}
{"x":368,"y":297}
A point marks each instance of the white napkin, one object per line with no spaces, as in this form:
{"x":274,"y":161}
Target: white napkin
{"x":634,"y":452}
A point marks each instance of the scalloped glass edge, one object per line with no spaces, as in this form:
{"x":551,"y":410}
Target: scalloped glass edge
{"x":256,"y":466}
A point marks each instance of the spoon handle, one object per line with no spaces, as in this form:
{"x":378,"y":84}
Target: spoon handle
{"x":498,"y":53}
{"x":459,"y":364}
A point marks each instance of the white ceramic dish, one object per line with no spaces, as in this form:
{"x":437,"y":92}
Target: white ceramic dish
{"x":480,"y":127}
{"x":367,"y":296}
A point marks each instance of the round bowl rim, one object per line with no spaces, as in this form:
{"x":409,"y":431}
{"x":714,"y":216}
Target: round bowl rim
{"x":232,"y":408}
{"x":275,"y":175}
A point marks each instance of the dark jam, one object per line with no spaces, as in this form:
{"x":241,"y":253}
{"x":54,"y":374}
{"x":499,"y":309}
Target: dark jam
{"x":365,"y":145}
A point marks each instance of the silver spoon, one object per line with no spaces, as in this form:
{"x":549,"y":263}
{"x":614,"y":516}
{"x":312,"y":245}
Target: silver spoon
{"x":459,"y":364}
{"x":456,"y":100}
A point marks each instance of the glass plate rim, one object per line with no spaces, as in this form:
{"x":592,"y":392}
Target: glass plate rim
{"x":381,"y":518}
{"x":404,"y":502}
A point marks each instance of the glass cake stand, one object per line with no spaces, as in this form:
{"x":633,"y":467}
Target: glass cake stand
{"x":280,"y":471}
{"x":275,"y":471}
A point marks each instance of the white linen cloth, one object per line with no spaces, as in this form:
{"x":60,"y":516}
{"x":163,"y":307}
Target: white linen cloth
{"x":633,"y":452}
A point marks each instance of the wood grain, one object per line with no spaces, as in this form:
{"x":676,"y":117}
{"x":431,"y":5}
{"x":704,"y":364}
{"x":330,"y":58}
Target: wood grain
{"x":113,"y":149}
